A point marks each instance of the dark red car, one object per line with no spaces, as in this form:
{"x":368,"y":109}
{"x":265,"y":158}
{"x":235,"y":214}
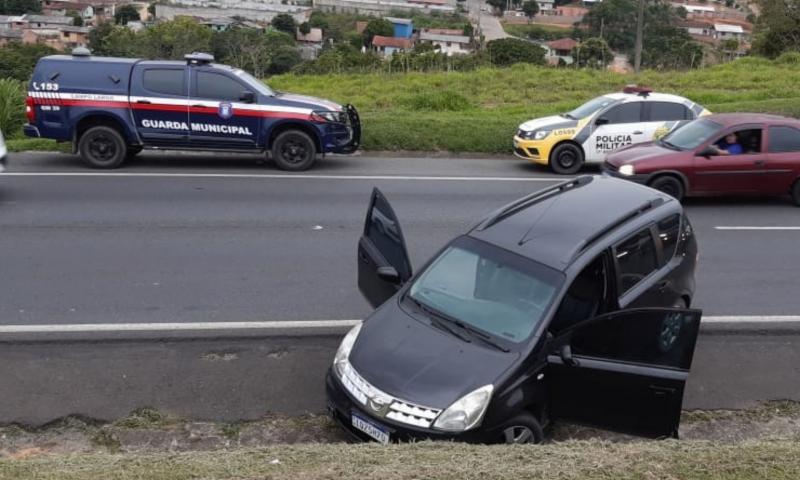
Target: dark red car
{"x":696,"y":160}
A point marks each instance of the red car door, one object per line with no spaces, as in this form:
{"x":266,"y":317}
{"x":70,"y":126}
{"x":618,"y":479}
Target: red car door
{"x":742,"y":173}
{"x":783,"y":158}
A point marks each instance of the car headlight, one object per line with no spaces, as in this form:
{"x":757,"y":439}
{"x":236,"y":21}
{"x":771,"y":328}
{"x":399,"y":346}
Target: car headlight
{"x":340,"y":360}
{"x":326,"y":116}
{"x":540,"y":134}
{"x":627,"y":170}
{"x":466,"y":412}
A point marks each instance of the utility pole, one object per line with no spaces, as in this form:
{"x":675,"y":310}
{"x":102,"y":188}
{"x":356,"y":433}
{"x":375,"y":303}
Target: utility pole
{"x":637,"y":52}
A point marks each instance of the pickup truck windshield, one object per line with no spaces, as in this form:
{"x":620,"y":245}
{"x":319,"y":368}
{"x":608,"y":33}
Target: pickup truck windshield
{"x":257,"y":84}
{"x":489,"y":289}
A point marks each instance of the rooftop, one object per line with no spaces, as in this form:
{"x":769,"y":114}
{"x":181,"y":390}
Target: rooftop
{"x":563,"y":44}
{"x":402,"y":21}
{"x":438,"y":37}
{"x":721,"y":27}
{"x":52,"y":19}
{"x":395,"y":42}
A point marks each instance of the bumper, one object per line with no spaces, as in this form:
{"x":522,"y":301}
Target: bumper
{"x":641,"y":178}
{"x":31,"y":131}
{"x":341,"y":407}
{"x":344,"y":137}
{"x":534,"y":150}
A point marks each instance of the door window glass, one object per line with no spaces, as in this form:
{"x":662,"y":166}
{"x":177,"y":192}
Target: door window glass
{"x":740,"y":141}
{"x":383,"y":230}
{"x":218,"y":87}
{"x":668,"y":112}
{"x":656,"y":337}
{"x":668,"y":232}
{"x":166,"y":81}
{"x":784,"y":139}
{"x":636,"y":258}
{"x":585,"y":298}
{"x":626,"y":113}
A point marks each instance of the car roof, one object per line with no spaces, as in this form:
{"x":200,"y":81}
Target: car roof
{"x":554,"y":226}
{"x":732,"y":119}
{"x":651,"y":97}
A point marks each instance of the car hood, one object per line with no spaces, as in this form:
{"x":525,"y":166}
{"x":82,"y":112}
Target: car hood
{"x":555,"y":121}
{"x":642,"y":152}
{"x":304,"y":101}
{"x":417,"y":362}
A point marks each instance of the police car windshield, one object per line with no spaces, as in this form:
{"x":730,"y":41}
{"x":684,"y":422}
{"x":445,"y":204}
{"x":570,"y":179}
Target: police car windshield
{"x":487,"y":289}
{"x":692,"y":134}
{"x":258,"y":85}
{"x":589,"y":108}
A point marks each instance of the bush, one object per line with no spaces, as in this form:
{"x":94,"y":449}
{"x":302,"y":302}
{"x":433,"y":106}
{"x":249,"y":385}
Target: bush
{"x":436,"y":101}
{"x":788,"y":58}
{"x":508,"y":51}
{"x":12,"y":107}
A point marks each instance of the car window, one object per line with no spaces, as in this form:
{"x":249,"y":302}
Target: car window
{"x":659,"y":337}
{"x":218,"y":87}
{"x":383,"y":230}
{"x":585,"y":298}
{"x":784,"y":139}
{"x":668,"y":112}
{"x":165,"y":81}
{"x":692,"y":135}
{"x":740,"y":141}
{"x":636,"y":259}
{"x":668,"y":231}
{"x":630,"y":112}
{"x":590,"y":107}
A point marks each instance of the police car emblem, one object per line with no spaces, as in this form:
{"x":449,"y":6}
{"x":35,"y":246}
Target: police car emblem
{"x":225,"y":110}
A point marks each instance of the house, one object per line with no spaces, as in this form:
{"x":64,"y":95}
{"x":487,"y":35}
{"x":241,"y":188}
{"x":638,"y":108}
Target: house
{"x":7,"y":36}
{"x":403,"y":27}
{"x":723,"y":31}
{"x":314,"y":36}
{"x":389,"y":45}
{"x":697,"y":28}
{"x":546,"y":5}
{"x":560,"y":49}
{"x":219,"y":24}
{"x":697,"y":10}
{"x":72,"y":37}
{"x":47,"y":21}
{"x":448,"y":44}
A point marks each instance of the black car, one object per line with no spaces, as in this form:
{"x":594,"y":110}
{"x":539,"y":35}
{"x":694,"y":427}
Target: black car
{"x":571,"y":303}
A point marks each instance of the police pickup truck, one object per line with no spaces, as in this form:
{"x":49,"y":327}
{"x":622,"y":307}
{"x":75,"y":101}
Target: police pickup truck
{"x":112,"y":108}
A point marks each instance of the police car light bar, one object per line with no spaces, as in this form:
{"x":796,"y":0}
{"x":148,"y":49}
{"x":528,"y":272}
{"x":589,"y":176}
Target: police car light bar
{"x":81,"y":52}
{"x":643,"y":91}
{"x":198,"y":58}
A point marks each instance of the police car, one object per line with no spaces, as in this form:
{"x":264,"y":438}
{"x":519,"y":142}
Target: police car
{"x":112,"y":108}
{"x":602,"y":125}
{"x":3,"y":152}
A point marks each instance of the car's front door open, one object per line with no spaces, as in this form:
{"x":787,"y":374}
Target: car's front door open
{"x":383,"y":264}
{"x":625,"y":370}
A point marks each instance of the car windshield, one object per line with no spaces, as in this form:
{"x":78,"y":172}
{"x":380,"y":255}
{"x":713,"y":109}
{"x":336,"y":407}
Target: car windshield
{"x":692,"y":134}
{"x":487,"y":288}
{"x":589,"y":107}
{"x":257,"y":84}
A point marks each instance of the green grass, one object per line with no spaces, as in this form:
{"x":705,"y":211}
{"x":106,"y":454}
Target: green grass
{"x":542,"y":32}
{"x":36,"y":144}
{"x":568,"y":460}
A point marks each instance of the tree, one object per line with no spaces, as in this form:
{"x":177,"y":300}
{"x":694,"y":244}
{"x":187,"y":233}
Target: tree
{"x":174,"y":39}
{"x":18,"y":59}
{"x":728,"y":48}
{"x":126,"y":13}
{"x":499,"y":5}
{"x":284,"y":23}
{"x":592,"y":53}
{"x":469,"y":30}
{"x":304,"y":28}
{"x":530,"y":8}
{"x":777,"y":28}
{"x":77,"y":18}
{"x":613,"y":20}
{"x":252,"y":50}
{"x":668,"y":47}
{"x":508,"y":51}
{"x":18,"y":7}
{"x":284,"y":59}
{"x":378,"y":26}
{"x":97,"y":37}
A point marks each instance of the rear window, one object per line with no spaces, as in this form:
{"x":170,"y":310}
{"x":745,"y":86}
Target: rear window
{"x":668,"y":112}
{"x":636,"y":258}
{"x":784,"y":139}
{"x":165,"y":81}
{"x":625,"y":113}
{"x":668,"y":231}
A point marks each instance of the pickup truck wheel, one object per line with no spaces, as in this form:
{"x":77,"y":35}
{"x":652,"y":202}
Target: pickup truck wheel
{"x":102,"y":147}
{"x":294,"y":150}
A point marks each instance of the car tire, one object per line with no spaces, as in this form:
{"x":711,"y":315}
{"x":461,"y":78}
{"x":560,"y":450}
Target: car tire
{"x":796,"y":192}
{"x":566,"y":159}
{"x":669,"y":185}
{"x":522,"y":428}
{"x":294,"y":150}
{"x":102,"y":147}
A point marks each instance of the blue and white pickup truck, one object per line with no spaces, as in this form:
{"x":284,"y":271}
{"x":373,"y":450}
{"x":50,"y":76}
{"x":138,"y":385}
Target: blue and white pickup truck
{"x":113,"y":108}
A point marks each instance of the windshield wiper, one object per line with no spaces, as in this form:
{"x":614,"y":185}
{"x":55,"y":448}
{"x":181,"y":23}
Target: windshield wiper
{"x":485,"y":337}
{"x":567,"y":115}
{"x":440,"y":319}
{"x":669,"y":145}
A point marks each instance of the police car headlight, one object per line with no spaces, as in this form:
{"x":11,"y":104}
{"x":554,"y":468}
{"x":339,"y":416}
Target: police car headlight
{"x":627,"y":170}
{"x":541,"y":134}
{"x":340,"y":360}
{"x":466,"y":412}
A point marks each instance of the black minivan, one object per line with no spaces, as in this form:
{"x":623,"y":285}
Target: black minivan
{"x":571,"y":303}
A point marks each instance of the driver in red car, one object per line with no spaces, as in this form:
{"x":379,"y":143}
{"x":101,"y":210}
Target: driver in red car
{"x":729,"y":145}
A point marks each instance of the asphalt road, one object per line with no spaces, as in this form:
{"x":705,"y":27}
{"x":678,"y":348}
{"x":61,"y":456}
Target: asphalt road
{"x":180,"y":238}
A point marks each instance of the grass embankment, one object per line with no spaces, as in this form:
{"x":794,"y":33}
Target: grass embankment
{"x":568,"y":460}
{"x":537,"y":30}
{"x":479,"y":111}
{"x":42,"y":144}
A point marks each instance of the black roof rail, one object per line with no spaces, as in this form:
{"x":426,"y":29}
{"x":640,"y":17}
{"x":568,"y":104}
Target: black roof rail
{"x":616,"y":223}
{"x":528,"y":200}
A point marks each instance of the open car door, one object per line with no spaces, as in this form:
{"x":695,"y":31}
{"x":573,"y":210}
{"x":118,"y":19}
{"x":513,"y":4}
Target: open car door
{"x":625,"y":371}
{"x":383,"y":264}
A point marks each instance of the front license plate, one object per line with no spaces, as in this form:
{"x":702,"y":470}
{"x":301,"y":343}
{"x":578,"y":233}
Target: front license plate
{"x":370,"y":428}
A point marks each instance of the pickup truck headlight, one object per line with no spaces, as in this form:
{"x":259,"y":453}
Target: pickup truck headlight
{"x":466,"y":412}
{"x":343,"y":352}
{"x":327,"y":116}
{"x":627,"y":170}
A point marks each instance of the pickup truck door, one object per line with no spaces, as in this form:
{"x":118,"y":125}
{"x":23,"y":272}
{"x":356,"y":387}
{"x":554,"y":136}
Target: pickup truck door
{"x":218,"y":111}
{"x":159,"y":102}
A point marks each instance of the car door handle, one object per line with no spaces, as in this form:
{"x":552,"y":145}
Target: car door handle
{"x":663,"y":285}
{"x":759,"y":162}
{"x":198,"y":105}
{"x":638,"y":132}
{"x":660,"y":391}
{"x":143,"y":101}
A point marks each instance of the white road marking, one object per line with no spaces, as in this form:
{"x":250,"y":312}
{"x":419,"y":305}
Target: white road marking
{"x":754,"y":228}
{"x":299,"y":177}
{"x":289,"y":324}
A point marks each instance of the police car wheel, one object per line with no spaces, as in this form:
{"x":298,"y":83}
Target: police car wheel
{"x":294,"y":150}
{"x":102,"y":147}
{"x":669,"y":185}
{"x":566,"y":159}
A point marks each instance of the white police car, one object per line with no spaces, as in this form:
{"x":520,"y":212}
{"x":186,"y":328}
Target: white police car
{"x":3,"y":152}
{"x":602,"y":125}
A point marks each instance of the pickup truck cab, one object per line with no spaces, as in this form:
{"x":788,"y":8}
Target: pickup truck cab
{"x":113,"y":108}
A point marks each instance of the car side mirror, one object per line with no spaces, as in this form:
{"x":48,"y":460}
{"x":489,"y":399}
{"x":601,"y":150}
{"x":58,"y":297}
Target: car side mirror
{"x":389,"y":275}
{"x":566,"y":356}
{"x":247,"y":97}
{"x":707,"y":152}
{"x":601,"y":121}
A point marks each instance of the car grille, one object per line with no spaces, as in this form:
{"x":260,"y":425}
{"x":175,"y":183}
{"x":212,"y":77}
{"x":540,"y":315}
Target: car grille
{"x":376,"y":401}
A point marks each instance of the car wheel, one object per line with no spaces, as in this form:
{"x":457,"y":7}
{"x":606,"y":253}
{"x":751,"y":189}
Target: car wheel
{"x":523,"y":428}
{"x":669,"y":185}
{"x":102,"y":147}
{"x":294,"y":150}
{"x":566,"y":159}
{"x":796,"y":193}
